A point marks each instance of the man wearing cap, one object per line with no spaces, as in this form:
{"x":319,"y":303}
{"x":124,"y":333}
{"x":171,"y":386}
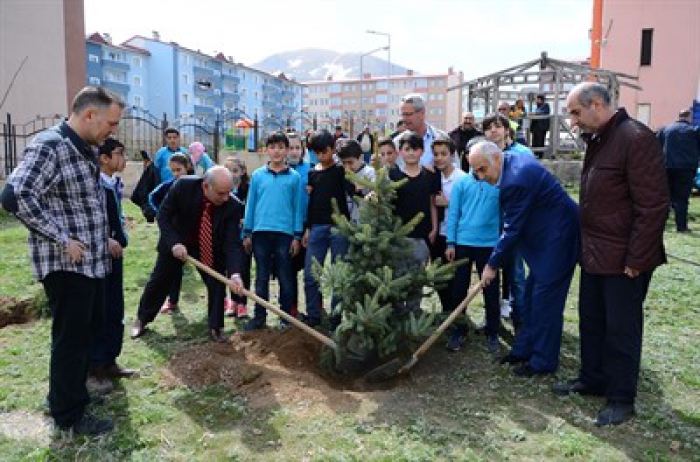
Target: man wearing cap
{"x":681,"y":144}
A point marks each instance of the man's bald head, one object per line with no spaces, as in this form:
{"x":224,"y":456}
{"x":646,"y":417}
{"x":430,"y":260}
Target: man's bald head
{"x":218,"y":183}
{"x":486,"y":160}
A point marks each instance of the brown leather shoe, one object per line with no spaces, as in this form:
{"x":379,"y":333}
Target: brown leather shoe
{"x":115,"y":371}
{"x":138,"y":329}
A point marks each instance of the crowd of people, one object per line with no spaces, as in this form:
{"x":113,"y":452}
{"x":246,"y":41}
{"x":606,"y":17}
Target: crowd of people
{"x":484,"y":197}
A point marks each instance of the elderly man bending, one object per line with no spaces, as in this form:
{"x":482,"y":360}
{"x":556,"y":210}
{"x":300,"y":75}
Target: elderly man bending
{"x":541,"y":220}
{"x":198,"y":218}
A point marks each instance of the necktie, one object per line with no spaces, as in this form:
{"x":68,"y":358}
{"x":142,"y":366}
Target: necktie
{"x":206,"y":248}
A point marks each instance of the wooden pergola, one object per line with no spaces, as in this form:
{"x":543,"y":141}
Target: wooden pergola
{"x":551,"y":77}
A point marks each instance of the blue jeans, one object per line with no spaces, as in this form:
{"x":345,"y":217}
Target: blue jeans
{"x":269,"y":247}
{"x":321,"y":239}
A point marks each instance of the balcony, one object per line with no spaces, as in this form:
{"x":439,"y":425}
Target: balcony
{"x":231,"y":78}
{"x":268,"y":104}
{"x":232,"y":98}
{"x":119,"y":87}
{"x":203,"y":72}
{"x":112,"y":64}
{"x":267,"y":88}
{"x":198,"y":109}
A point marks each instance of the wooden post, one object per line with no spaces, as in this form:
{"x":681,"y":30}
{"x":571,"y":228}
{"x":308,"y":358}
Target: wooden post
{"x":554,"y":133}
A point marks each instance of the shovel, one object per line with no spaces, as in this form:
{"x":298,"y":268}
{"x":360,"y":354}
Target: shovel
{"x":262,"y":302}
{"x":398,"y":366}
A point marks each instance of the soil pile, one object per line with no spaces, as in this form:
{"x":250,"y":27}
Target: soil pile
{"x":268,"y":366}
{"x":14,"y":311}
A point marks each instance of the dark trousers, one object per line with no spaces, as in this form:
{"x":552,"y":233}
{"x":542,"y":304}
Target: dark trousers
{"x":437,"y":250}
{"x":513,"y":283}
{"x":611,"y":321}
{"x":542,"y":317}
{"x":77,"y":305}
{"x":245,"y":276}
{"x":159,"y":283}
{"x":107,"y":343}
{"x":175,"y":286}
{"x":272,"y":248}
{"x":462,"y":281}
{"x":680,"y":183}
{"x":538,"y":138}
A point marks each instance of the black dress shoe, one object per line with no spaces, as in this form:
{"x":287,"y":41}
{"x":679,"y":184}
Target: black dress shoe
{"x":115,"y":371}
{"x":577,"y":387}
{"x":216,"y":335}
{"x":138,"y":329}
{"x":614,"y":414}
{"x":512,"y":359}
{"x":526,"y":370}
{"x":89,"y":425}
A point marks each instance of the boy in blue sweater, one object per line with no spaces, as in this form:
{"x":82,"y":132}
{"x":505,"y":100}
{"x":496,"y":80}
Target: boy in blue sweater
{"x":273,"y":225}
{"x":473,"y":229}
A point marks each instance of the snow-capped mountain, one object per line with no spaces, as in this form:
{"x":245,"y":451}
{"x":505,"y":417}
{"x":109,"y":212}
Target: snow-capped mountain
{"x":317,"y":64}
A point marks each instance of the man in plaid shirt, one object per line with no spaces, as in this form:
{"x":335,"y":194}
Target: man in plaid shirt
{"x":56,"y":193}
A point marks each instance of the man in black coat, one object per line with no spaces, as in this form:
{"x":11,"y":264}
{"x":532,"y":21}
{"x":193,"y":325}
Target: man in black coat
{"x":199,"y":218}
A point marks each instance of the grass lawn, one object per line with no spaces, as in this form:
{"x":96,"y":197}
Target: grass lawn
{"x":458,"y":406}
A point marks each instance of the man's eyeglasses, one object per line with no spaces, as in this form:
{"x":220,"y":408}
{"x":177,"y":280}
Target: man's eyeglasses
{"x":407,"y":114}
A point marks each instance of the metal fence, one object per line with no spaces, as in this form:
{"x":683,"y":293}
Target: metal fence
{"x":140,"y":130}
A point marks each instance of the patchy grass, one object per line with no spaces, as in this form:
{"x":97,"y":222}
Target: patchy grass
{"x":453,"y":406}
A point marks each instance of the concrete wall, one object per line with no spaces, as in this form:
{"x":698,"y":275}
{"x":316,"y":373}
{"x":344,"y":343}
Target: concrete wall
{"x":672,"y":80}
{"x":51,"y":35}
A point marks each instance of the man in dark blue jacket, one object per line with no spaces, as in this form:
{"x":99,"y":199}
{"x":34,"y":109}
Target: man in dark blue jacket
{"x":681,"y":144}
{"x":541,"y":221}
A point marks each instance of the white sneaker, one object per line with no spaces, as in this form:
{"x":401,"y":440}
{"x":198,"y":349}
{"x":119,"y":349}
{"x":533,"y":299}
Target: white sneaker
{"x":505,"y":309}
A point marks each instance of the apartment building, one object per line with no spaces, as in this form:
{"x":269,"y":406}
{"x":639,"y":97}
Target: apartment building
{"x":169,"y":80}
{"x":657,"y":42}
{"x":376,"y":100}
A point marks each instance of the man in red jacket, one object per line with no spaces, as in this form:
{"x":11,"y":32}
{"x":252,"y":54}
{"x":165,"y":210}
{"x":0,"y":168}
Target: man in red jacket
{"x":623,"y":208}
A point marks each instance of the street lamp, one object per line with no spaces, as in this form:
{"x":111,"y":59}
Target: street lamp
{"x":362,"y":78}
{"x":388,"y":74}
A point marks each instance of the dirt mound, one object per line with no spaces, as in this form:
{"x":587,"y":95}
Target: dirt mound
{"x":268,"y":366}
{"x":15,"y":311}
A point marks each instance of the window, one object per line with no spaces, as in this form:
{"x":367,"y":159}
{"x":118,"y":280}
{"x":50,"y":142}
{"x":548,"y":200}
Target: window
{"x":137,"y":61}
{"x":137,"y":81}
{"x":255,"y":95}
{"x":137,"y":101}
{"x":440,"y":97}
{"x":647,"y":37}
{"x":185,"y":79}
{"x":93,"y":58}
{"x":94,"y":81}
{"x":185,"y":98}
{"x":644,"y":113}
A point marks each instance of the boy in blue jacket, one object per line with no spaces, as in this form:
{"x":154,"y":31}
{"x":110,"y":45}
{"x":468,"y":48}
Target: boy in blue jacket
{"x":273,"y":225}
{"x":473,"y":229}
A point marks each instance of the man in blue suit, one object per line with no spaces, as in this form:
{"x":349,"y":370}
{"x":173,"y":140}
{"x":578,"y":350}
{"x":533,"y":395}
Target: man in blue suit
{"x":541,"y":220}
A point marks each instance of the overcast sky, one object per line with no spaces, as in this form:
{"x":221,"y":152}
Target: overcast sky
{"x":475,"y":36}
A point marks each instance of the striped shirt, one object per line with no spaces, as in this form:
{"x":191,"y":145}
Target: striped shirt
{"x":59,"y":197}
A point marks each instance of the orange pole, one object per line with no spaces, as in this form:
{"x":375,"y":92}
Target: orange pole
{"x":596,"y":33}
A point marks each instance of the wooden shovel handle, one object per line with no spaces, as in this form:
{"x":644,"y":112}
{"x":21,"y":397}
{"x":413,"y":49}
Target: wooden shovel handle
{"x":322,"y":338}
{"x":473,"y":292}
